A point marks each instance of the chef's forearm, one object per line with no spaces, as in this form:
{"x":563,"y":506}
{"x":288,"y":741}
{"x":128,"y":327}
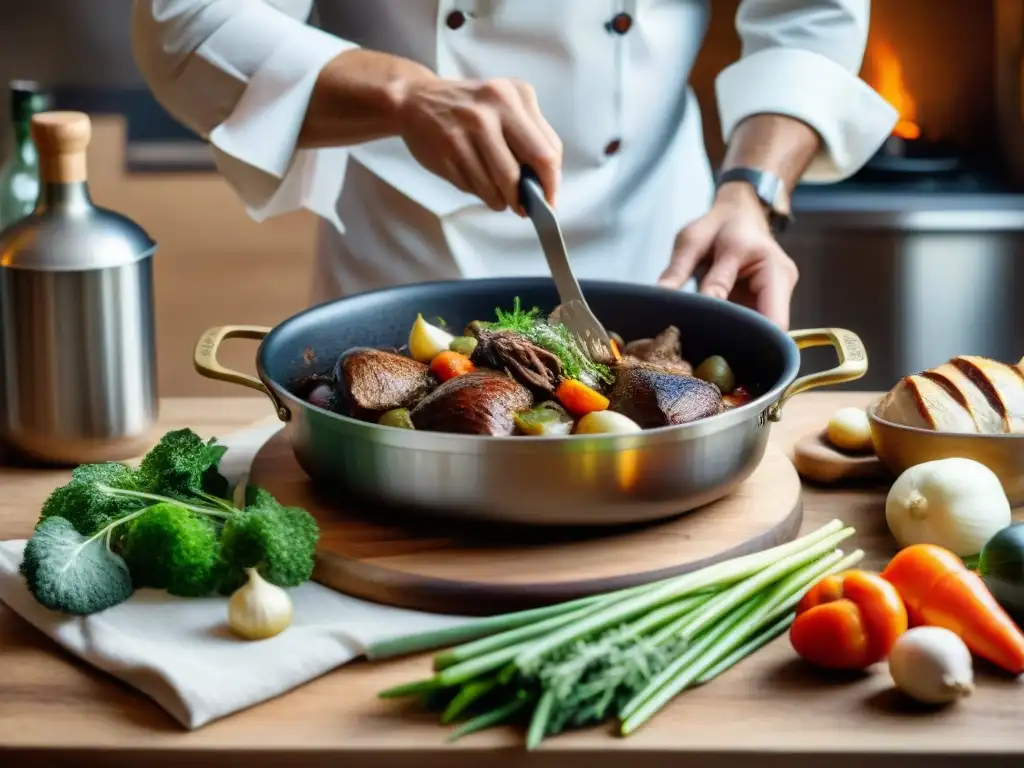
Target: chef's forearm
{"x":357,"y":98}
{"x":776,"y":143}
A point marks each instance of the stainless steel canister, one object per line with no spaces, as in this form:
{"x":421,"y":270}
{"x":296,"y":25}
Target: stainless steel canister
{"x":77,"y":346}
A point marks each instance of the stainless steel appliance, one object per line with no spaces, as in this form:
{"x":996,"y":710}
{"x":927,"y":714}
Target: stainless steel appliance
{"x":77,"y":352}
{"x":920,"y":276}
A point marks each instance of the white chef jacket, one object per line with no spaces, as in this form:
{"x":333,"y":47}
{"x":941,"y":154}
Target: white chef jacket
{"x":635,"y":171}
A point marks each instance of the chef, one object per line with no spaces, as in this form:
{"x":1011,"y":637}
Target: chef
{"x":402,"y":124}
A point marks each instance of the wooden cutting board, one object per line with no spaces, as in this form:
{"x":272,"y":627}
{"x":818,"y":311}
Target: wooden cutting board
{"x":408,"y":560}
{"x":817,"y":460}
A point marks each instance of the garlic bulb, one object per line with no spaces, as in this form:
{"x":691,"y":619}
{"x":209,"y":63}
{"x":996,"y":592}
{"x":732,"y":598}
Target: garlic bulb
{"x":850,"y":430}
{"x":427,"y":341}
{"x":958,"y":504}
{"x":258,"y":609}
{"x":932,"y":665}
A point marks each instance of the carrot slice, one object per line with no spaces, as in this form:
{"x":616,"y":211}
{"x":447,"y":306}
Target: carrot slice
{"x":942,"y":592}
{"x":447,"y":365}
{"x":579,"y":399}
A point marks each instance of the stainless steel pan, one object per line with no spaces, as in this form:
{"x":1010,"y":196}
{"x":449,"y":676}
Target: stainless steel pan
{"x":576,"y":480}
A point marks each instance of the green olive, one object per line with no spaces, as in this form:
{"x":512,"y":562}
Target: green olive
{"x":464,"y":345}
{"x":396,"y":417}
{"x":474,"y":328}
{"x":716,"y":371}
{"x":548,"y":418}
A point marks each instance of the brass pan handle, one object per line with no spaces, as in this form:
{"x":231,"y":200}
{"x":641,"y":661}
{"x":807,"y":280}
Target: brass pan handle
{"x":853,"y":362}
{"x":206,"y":363}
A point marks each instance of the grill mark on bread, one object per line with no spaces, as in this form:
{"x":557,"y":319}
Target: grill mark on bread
{"x":978,"y":378}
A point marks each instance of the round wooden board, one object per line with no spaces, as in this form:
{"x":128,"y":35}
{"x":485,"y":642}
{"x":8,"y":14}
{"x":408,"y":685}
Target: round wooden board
{"x":817,"y":460}
{"x":414,"y":561}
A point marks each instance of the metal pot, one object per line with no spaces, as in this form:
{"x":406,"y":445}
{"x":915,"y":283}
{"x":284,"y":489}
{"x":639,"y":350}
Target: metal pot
{"x":576,"y":480}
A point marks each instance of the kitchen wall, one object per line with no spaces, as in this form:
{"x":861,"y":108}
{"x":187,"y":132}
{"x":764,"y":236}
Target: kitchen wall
{"x":216,"y":266}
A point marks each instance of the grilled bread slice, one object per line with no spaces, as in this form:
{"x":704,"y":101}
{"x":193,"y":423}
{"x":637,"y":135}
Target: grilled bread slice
{"x":967,"y":394}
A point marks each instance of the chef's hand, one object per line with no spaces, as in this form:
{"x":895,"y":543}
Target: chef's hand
{"x":476,"y":134}
{"x":745,"y":263}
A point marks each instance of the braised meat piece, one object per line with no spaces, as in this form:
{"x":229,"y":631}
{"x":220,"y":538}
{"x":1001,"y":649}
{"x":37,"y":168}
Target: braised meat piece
{"x":531,"y":365}
{"x":657,"y":396}
{"x":370,"y":381}
{"x":479,"y":403}
{"x":664,"y":350}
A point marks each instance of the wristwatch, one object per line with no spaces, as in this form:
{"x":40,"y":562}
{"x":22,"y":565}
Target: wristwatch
{"x":770,"y":190}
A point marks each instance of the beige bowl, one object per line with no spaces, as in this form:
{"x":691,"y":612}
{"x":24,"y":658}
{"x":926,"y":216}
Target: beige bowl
{"x":900,"y":447}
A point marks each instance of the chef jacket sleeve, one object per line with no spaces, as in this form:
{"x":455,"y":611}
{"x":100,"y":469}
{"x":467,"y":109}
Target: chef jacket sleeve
{"x":801,"y":58}
{"x":240,"y":74}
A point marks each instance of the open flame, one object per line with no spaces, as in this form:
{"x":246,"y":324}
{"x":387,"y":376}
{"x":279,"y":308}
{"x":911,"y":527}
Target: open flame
{"x":885,"y":75}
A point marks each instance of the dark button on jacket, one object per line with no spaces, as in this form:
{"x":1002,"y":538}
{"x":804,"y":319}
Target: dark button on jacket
{"x":620,"y":23}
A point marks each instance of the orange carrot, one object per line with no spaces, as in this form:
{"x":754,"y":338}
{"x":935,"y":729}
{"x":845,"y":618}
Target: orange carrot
{"x":447,"y":365}
{"x":579,"y":399}
{"x":940,"y":591}
{"x":616,"y":352}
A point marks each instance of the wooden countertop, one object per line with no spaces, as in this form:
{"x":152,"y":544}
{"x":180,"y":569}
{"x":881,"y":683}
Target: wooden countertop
{"x":56,"y":710}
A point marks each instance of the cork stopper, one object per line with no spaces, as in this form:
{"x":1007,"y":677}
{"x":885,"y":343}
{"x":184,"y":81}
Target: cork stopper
{"x":61,"y":139}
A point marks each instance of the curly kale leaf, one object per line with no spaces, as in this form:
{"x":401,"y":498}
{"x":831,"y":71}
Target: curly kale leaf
{"x":85,"y":505}
{"x":68,"y":572}
{"x":182,"y":463}
{"x":280,"y":542}
{"x":169,"y":547}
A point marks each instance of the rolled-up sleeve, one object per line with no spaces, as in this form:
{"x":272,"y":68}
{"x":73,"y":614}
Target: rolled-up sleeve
{"x":240,"y":74}
{"x":801,"y":58}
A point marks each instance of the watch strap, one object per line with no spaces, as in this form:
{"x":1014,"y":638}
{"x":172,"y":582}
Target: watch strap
{"x":770,"y":190}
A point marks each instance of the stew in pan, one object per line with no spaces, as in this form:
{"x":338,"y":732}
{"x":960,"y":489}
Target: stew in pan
{"x":524,"y":374}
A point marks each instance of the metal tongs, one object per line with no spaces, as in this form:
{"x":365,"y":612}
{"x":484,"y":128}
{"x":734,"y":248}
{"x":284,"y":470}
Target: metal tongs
{"x":573,"y":311}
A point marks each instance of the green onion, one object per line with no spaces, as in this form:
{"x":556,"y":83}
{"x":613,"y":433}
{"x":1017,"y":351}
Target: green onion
{"x":726,"y":601}
{"x":414,"y":688}
{"x":628,"y":652}
{"x":539,"y":721}
{"x":518,"y":634}
{"x":754,"y":644}
{"x":439,"y":638}
{"x":494,"y":717}
{"x":671,"y":681}
{"x":680,"y":586}
{"x":467,"y":697}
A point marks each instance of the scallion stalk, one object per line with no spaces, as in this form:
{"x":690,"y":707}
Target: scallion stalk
{"x":496,"y":716}
{"x":752,"y":585}
{"x":415,"y":688}
{"x":680,"y":586}
{"x":520,"y":634}
{"x":753,"y":645}
{"x":539,"y":722}
{"x":780,"y":600}
{"x":471,"y":630}
{"x":684,"y":670}
{"x":470,"y":693}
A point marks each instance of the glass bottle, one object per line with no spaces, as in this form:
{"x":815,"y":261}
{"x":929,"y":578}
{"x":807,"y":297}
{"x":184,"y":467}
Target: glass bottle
{"x":19,"y":176}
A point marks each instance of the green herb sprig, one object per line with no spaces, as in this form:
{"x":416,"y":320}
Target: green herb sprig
{"x":556,"y":339}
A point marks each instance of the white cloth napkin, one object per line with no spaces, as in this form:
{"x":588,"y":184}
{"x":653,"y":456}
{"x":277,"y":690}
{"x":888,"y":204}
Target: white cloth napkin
{"x":178,"y":650}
